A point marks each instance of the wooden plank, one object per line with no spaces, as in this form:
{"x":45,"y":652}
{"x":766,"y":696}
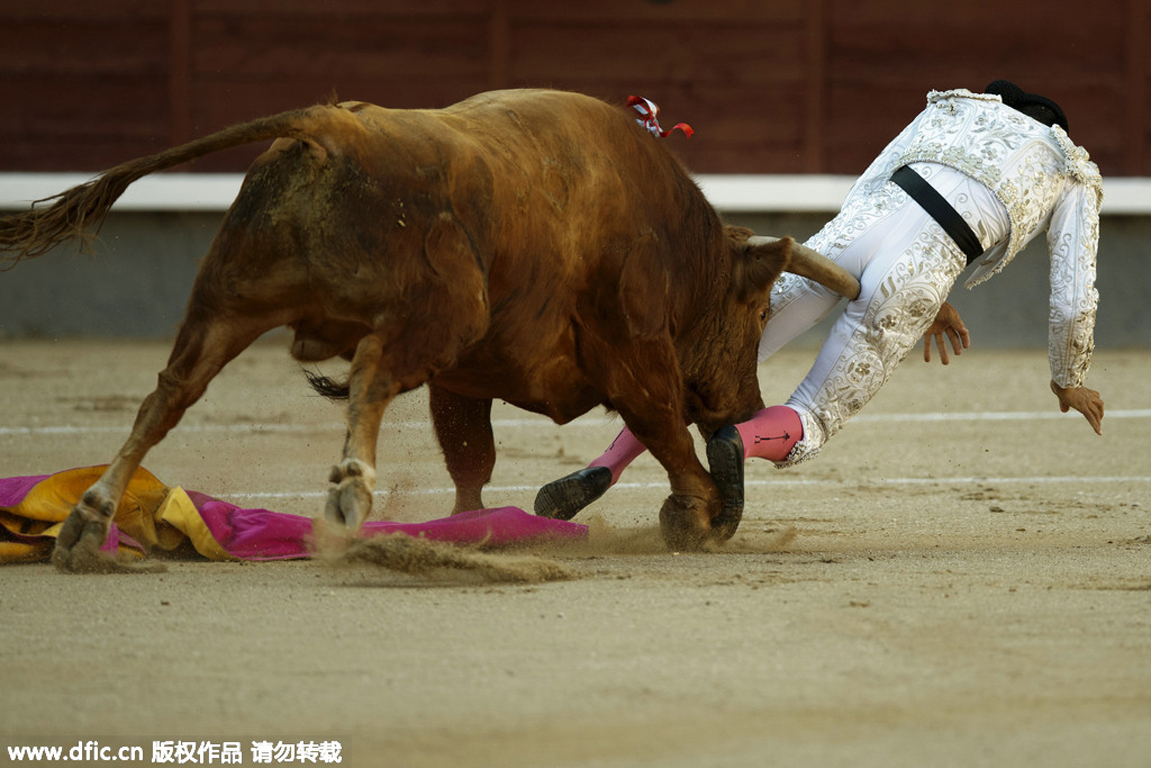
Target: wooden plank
{"x":285,"y":48}
{"x":735,"y":11}
{"x":1016,"y":20}
{"x":1135,"y":134}
{"x":65,"y":11}
{"x":52,"y":125}
{"x":398,"y":9}
{"x":63,"y":107}
{"x":683,"y":12}
{"x":815,"y":27}
{"x":83,"y":46}
{"x":700,"y":53}
{"x":499,"y":45}
{"x":737,"y":159}
{"x":785,"y":86}
{"x":85,"y":89}
{"x":881,"y":52}
{"x":890,"y":40}
{"x":180,"y":73}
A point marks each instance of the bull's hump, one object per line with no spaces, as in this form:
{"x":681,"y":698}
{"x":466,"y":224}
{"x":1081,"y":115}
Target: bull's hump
{"x":531,"y":110}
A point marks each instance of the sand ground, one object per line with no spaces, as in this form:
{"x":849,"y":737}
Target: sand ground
{"x":962,"y":578}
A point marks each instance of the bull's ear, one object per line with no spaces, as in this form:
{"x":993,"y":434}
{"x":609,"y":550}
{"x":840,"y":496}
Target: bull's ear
{"x":761,"y":264}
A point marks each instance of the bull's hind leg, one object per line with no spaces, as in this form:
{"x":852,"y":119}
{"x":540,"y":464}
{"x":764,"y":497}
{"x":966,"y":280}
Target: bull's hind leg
{"x":444,"y":309}
{"x":464,"y":430}
{"x":371,"y":387}
{"x":202,"y":348}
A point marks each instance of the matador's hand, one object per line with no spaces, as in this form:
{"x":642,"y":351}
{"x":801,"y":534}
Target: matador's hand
{"x":947,"y":321}
{"x":1082,"y":399}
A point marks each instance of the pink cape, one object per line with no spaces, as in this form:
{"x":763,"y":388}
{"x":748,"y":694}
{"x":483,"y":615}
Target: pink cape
{"x":155,"y":516}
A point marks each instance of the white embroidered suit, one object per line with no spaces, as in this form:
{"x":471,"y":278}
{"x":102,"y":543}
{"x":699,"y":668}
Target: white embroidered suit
{"x":1010,"y":177}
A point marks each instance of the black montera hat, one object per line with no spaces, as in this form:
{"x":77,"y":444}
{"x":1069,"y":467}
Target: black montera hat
{"x":1033,"y":105}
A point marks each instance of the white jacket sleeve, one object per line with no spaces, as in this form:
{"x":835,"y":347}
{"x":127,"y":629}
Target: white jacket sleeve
{"x":1073,"y":239}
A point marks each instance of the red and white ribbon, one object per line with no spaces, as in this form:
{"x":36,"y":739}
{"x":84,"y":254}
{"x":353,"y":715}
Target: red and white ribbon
{"x":648,"y":113}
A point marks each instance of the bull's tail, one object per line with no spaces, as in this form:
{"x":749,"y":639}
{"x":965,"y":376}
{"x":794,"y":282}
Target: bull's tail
{"x":328,"y":387}
{"x":80,"y":210}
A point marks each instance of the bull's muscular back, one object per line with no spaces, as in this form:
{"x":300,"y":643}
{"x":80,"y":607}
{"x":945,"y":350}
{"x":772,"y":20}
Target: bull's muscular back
{"x":552,"y":217}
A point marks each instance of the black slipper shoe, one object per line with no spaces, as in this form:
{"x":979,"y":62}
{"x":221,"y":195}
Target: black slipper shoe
{"x":725,"y":462}
{"x":562,"y":499}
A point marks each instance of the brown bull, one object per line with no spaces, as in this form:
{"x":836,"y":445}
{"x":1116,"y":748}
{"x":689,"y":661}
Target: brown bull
{"x":534,"y":246}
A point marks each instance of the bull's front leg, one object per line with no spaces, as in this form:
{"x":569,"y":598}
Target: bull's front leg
{"x":685,"y":519}
{"x":371,"y":389}
{"x":686,"y":515}
{"x":645,"y":385}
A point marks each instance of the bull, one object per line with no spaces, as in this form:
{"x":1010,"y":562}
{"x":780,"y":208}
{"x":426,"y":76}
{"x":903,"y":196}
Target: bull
{"x":536,"y":246}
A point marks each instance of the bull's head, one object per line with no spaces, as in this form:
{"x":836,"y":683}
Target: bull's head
{"x":722,"y":384}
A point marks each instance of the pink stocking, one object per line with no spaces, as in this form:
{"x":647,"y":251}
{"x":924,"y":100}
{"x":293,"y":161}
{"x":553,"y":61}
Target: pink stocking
{"x":771,"y":433}
{"x":623,"y":451}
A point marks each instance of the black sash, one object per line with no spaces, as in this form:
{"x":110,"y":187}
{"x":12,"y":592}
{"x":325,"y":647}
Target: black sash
{"x":939,"y":209}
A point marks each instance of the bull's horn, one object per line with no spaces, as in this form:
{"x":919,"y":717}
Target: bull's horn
{"x":811,"y":264}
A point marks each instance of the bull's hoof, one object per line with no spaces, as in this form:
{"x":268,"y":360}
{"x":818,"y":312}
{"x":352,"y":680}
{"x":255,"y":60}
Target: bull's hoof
{"x":684,"y":524}
{"x":349,"y":503}
{"x":562,"y":499}
{"x":725,"y":462}
{"x":350,"y":498}
{"x":78,"y":548}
